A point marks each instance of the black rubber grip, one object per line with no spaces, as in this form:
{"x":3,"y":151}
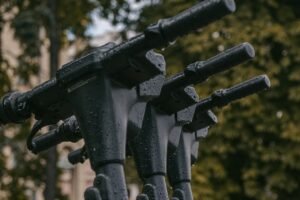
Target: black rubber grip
{"x":196,"y":17}
{"x":14,"y":108}
{"x":77,"y":156}
{"x":202,"y":70}
{"x":225,"y":96}
{"x":227,"y":59}
{"x":46,"y":141}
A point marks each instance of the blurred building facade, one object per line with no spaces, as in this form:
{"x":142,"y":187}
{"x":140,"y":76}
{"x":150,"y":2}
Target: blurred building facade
{"x":74,"y":179}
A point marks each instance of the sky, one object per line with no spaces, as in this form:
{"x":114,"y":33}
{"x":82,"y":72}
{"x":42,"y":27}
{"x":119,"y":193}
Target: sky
{"x":101,"y":26}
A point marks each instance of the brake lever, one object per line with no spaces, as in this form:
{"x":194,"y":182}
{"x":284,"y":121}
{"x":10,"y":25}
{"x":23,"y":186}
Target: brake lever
{"x":38,"y":125}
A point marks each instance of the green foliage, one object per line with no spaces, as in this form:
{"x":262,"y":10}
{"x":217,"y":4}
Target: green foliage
{"x":254,"y":151}
{"x":34,"y":16}
{"x":117,"y":10}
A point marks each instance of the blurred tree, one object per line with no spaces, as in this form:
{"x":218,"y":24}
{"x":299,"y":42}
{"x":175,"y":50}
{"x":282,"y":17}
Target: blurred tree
{"x":254,"y":151}
{"x":4,"y":80}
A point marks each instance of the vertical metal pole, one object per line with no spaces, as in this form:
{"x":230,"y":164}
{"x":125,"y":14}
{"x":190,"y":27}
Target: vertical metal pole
{"x":1,"y":29}
{"x":53,"y":31}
